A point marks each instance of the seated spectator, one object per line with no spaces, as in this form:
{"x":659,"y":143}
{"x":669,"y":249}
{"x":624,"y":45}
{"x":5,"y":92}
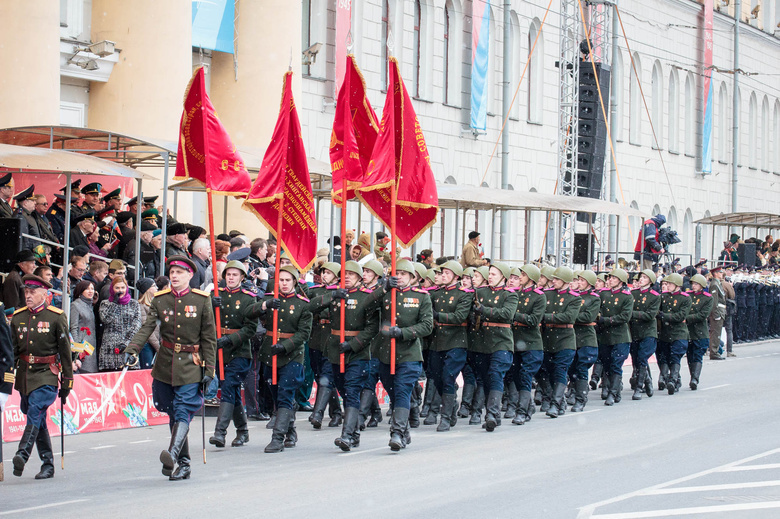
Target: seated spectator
{"x":222,"y":248}
{"x":121,"y":316}
{"x":82,"y":324}
{"x":13,"y":288}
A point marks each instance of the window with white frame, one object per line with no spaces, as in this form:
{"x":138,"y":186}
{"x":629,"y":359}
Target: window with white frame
{"x":751,"y":140}
{"x":314,"y":30}
{"x":423,"y":48}
{"x":516,"y":62}
{"x":690,"y":117}
{"x":776,"y":143}
{"x":617,"y":94}
{"x":658,"y":104}
{"x":535,"y":72}
{"x":674,"y":111}
{"x":764,"y":136}
{"x":453,"y":49}
{"x":635,"y":103}
{"x":723,"y":122}
{"x":384,"y":40}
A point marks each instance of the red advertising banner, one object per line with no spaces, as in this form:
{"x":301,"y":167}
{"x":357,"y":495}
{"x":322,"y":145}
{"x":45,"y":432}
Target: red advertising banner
{"x":91,"y":407}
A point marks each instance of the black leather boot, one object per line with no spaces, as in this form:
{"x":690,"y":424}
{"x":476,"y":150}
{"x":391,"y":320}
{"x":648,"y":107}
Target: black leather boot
{"x":291,"y":436}
{"x":648,"y":382}
{"x":320,"y":404}
{"x":476,"y":407}
{"x":545,"y":388}
{"x":282,"y":425}
{"x":344,"y":442}
{"x":598,"y":369}
{"x":695,"y":374}
{"x":376,"y":411}
{"x":493,"y":410}
{"x":511,"y":400}
{"x":43,"y":443}
{"x":336,"y":415}
{"x":581,"y":389}
{"x":523,"y":404}
{"x":633,"y":380}
{"x":178,"y":437}
{"x":25,"y":448}
{"x":557,"y":403}
{"x":639,"y":385}
{"x":605,"y":387}
{"x":447,"y":412}
{"x":615,"y":386}
{"x":467,"y":397}
{"x":272,"y":421}
{"x":663,"y":376}
{"x":242,"y":426}
{"x":671,"y":383}
{"x":366,"y":399}
{"x":224,"y":415}
{"x":399,"y":429}
{"x":183,"y":470}
{"x":571,"y":394}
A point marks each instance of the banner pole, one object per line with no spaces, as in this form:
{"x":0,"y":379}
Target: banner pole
{"x":214,"y":274}
{"x":276,"y":283}
{"x":342,"y":282}
{"x":392,"y":273}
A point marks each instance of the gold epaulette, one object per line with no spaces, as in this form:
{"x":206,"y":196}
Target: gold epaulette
{"x":162,"y":292}
{"x":22,"y":309}
{"x":200,"y":292}
{"x":54,"y":309}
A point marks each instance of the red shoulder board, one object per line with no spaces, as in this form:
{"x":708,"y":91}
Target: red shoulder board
{"x":510,"y":289}
{"x":686,"y":294}
{"x":468,"y":290}
{"x":572,"y":292}
{"x":419,"y":290}
{"x":707,"y":294}
{"x":302,"y":298}
{"x":627,"y":292}
{"x":654,"y":292}
{"x":539,"y":291}
{"x":366,"y":290}
{"x":248,"y":292}
{"x":332,"y":287}
{"x":594,"y":293}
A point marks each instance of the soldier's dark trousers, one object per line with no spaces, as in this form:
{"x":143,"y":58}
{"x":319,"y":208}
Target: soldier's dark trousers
{"x":468,"y":374}
{"x":445,"y":367}
{"x":642,"y":350}
{"x":491,"y":368}
{"x":235,"y":372}
{"x":618,"y":353}
{"x":603,"y":359}
{"x":584,"y":358}
{"x":304,"y":391}
{"x":697,"y":349}
{"x":252,"y":385}
{"x":557,"y":365}
{"x":180,"y":403}
{"x":351,"y":382}
{"x":671,"y":353}
{"x":35,"y":405}
{"x":729,"y":325}
{"x":525,"y":366}
{"x":288,"y":379}
{"x":399,"y":387}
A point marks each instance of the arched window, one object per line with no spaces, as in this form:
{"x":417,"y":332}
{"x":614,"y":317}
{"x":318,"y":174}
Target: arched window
{"x":751,"y":140}
{"x":617,"y":94}
{"x":447,"y":35}
{"x":314,"y":30}
{"x":535,"y":72}
{"x":423,"y":48}
{"x":657,"y":110}
{"x":690,"y":117}
{"x":688,"y":238}
{"x":671,"y":219}
{"x":452,"y":51}
{"x":516,"y":63}
{"x":674,"y":111}
{"x":635,"y":103}
{"x":417,"y":39}
{"x":723,"y":122}
{"x":383,"y":42}
{"x":776,"y":144}
{"x":764,"y":135}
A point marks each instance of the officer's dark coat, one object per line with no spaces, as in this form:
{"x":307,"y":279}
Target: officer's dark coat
{"x":617,"y":307}
{"x":563,"y":307}
{"x":674,"y":307}
{"x":643,"y":322}
{"x":414,"y":315}
{"x":236,"y":322}
{"x":453,"y":304}
{"x":584,"y":327}
{"x":530,"y":310}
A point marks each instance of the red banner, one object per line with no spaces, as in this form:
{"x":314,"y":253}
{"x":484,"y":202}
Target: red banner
{"x":283,"y":182}
{"x":130,"y":406}
{"x":206,"y":152}
{"x":400,"y":161}
{"x":354,"y":134}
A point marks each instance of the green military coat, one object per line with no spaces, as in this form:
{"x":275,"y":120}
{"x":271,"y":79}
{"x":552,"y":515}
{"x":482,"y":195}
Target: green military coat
{"x":361,"y":323}
{"x":414,"y":315}
{"x":531,"y":305}
{"x":617,"y":307}
{"x":674,"y":307}
{"x":643,"y":318}
{"x":294,"y":328}
{"x":236,"y":322}
{"x":185,"y":319}
{"x":499,"y":305}
{"x":320,"y":327}
{"x":563,"y":307}
{"x":585,"y":325}
{"x":42,"y":333}
{"x":453,"y":304}
{"x":474,"y":328}
{"x":701,"y":307}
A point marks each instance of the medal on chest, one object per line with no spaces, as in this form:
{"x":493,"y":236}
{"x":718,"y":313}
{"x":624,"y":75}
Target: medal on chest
{"x":561,"y":301}
{"x":352,"y":303}
{"x":411,"y":302}
{"x":238,"y":304}
{"x":190,"y":311}
{"x":43,"y":327}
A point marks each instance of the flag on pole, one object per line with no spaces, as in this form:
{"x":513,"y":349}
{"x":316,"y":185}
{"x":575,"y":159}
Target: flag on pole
{"x":480,"y":52}
{"x":354,"y":133}
{"x":206,"y":152}
{"x":284,"y":177}
{"x":400,"y":161}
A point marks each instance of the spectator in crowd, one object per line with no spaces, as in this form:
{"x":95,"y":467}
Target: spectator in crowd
{"x":82,"y":226}
{"x":121,"y":316}
{"x":25,"y":202}
{"x":470,"y":256}
{"x":162,"y":282}
{"x":201,"y":256}
{"x":258,"y":253}
{"x":237,"y":243}
{"x":728,"y":256}
{"x":78,"y":267}
{"x":125,"y":221}
{"x":54,"y":297}
{"x":426,"y":258}
{"x":13,"y":288}
{"x":222,"y":249}
{"x":146,"y":290}
{"x":92,"y":242}
{"x":98,"y":271}
{"x":357,"y":252}
{"x":115,"y":269}
{"x":193,"y":234}
{"x":82,"y":324}
{"x":152,"y":269}
{"x":176,"y":239}
{"x":45,"y":229}
{"x":6,"y":192}
{"x":381,"y":247}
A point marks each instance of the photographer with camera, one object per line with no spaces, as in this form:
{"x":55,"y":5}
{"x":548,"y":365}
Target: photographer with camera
{"x":648,"y":244}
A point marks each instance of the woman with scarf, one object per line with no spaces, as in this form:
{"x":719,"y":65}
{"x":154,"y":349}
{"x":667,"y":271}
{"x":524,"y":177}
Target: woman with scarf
{"x":82,"y":324}
{"x":121,"y":316}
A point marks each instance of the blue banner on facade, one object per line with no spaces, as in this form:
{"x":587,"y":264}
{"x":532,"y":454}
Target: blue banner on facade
{"x":480,"y":52}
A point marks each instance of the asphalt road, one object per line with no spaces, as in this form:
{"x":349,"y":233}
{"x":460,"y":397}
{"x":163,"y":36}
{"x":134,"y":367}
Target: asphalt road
{"x":714,"y":452}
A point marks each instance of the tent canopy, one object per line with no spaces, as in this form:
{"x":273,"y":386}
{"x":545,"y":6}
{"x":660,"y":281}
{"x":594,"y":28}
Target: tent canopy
{"x":44,"y":160}
{"x":747,"y":219}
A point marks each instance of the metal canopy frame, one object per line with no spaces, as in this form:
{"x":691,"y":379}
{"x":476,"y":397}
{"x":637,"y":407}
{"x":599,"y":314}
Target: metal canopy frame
{"x":744,"y":220}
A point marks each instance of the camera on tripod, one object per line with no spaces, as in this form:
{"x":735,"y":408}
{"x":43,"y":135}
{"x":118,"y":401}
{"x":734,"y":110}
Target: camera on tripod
{"x":667,"y":236}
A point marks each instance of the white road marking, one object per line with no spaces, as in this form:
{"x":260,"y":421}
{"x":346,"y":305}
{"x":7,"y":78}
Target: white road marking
{"x":766,"y":466}
{"x":367,"y":450}
{"x":714,"y":387}
{"x":691,"y":511}
{"x":101,"y":447}
{"x":707,"y":488}
{"x":41,"y":507}
{"x":587,"y":511}
{"x":569,"y":413}
{"x":141,"y":441}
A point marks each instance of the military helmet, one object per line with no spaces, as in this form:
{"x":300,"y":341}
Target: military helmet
{"x":469,"y":271}
{"x":649,"y":273}
{"x":333,"y":267}
{"x":589,"y":276}
{"x":420,"y":269}
{"x":547,"y":271}
{"x":454,"y":266}
{"x":431,"y":276}
{"x":565,"y":274}
{"x":515,"y":271}
{"x":375,"y":267}
{"x":532,"y":271}
{"x":621,"y":274}
{"x":235,"y":264}
{"x":602,"y":277}
{"x":354,"y":266}
{"x":698,"y":278}
{"x":503,"y":268}
{"x":292,"y":270}
{"x":675,"y":279}
{"x":483,"y":271}
{"x":406,"y":266}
